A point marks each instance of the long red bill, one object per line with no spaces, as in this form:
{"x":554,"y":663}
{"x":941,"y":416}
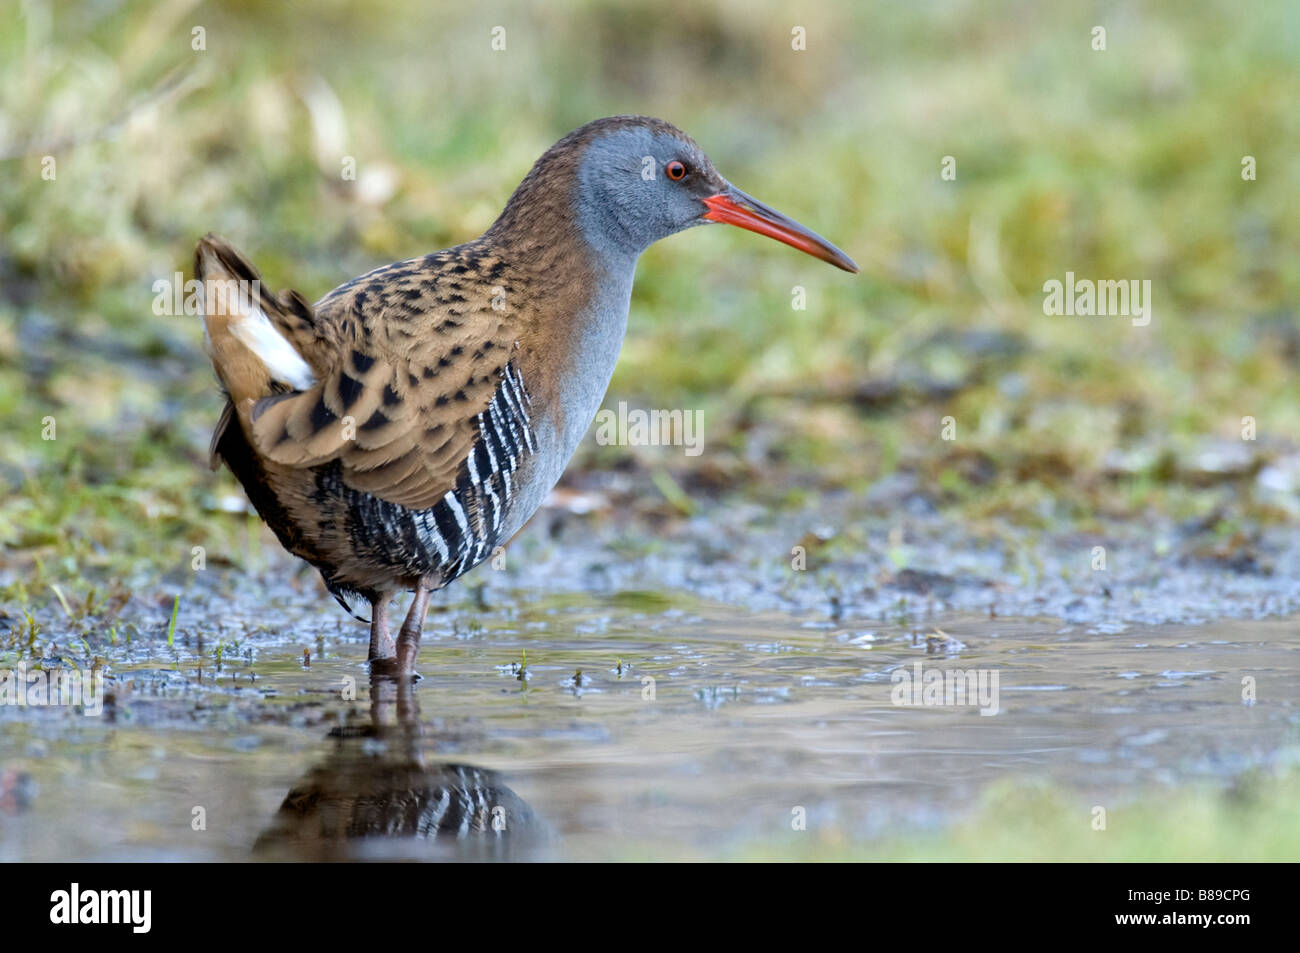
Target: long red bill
{"x":734,"y":207}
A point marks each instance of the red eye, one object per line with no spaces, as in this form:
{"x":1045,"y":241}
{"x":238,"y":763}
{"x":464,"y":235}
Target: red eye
{"x":676,"y":170}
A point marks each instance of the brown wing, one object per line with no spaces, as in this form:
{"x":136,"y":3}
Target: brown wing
{"x":419,"y":354}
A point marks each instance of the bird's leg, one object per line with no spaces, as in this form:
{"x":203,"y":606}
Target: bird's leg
{"x":381,"y":642}
{"x":408,"y":640}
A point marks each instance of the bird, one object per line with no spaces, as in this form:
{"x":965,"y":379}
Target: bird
{"x":397,"y":431}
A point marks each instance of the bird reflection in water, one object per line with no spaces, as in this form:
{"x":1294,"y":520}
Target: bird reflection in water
{"x":375,"y":797}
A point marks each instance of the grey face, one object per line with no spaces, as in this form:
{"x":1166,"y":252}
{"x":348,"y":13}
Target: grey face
{"x":641,"y":182}
{"x":637,"y":185}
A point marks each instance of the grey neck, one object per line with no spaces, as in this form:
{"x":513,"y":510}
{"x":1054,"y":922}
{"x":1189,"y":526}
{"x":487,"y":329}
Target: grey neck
{"x":588,"y":360}
{"x":594,"y":353}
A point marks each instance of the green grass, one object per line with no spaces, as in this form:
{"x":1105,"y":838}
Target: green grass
{"x":1121,"y":164}
{"x":1256,"y":820}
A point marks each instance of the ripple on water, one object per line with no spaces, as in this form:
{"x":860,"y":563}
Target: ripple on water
{"x":693,"y":727}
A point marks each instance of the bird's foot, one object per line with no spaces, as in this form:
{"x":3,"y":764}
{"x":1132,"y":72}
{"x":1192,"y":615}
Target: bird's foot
{"x":404,"y":664}
{"x":390,"y":668}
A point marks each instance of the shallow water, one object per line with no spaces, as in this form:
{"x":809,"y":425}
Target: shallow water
{"x":750,"y":721}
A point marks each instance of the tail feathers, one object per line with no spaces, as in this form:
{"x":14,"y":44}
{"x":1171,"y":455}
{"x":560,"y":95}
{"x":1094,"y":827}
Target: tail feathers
{"x":215,"y":257}
{"x":341,"y":597}
{"x":214,"y":455}
{"x":261,"y":343}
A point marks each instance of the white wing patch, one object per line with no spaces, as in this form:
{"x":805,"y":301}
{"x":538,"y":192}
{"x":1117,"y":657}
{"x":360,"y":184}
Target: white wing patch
{"x":283,"y":363}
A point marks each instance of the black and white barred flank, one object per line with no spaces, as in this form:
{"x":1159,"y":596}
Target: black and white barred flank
{"x":393,"y":797}
{"x":460,"y":531}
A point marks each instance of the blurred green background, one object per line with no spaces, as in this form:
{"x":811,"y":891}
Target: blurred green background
{"x":1117,"y":164}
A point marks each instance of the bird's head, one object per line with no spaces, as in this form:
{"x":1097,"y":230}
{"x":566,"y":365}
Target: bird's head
{"x":642,"y":179}
{"x":638,"y":179}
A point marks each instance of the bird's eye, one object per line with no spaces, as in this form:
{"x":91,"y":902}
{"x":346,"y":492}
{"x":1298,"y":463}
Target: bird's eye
{"x":676,"y":170}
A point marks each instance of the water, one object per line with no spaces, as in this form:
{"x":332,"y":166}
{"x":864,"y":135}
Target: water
{"x":646,"y":727}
